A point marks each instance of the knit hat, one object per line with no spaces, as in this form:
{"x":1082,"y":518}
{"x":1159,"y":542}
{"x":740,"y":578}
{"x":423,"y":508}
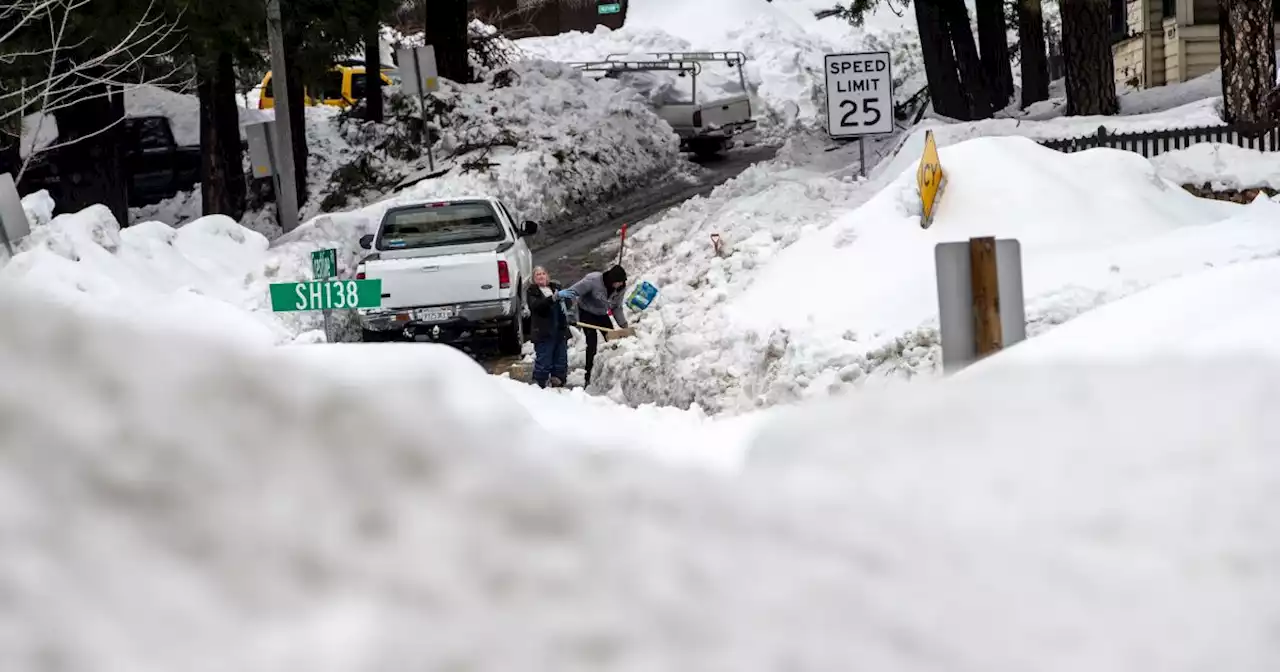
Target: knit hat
{"x":615,"y":275}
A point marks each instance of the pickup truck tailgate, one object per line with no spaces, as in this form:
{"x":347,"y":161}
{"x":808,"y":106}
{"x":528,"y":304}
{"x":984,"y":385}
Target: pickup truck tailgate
{"x":726,"y":111}
{"x":438,"y":280}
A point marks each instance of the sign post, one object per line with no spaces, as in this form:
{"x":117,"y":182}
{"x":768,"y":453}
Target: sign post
{"x":859,"y":98}
{"x":287,"y":195}
{"x":13,"y":219}
{"x":420,"y":78}
{"x":324,"y":265}
{"x":930,"y":179}
{"x":980,"y":302}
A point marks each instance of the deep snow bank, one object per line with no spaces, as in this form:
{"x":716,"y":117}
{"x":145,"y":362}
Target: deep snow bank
{"x":785,"y":52}
{"x":827,"y":303}
{"x":1220,"y":166}
{"x":207,"y":277}
{"x":1200,"y":112}
{"x":1217,"y":310}
{"x":183,"y":506}
{"x":537,"y":135}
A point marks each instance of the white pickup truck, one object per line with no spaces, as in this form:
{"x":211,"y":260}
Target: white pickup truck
{"x":452,"y":270}
{"x":706,"y":125}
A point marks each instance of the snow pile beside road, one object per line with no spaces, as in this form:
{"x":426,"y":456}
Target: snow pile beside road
{"x":183,"y":506}
{"x":784,"y":71}
{"x":1194,"y":114}
{"x":829,"y":304}
{"x":537,"y":135}
{"x":1220,"y":166}
{"x":209,"y":277}
{"x":687,"y":352}
{"x":1232,"y":308}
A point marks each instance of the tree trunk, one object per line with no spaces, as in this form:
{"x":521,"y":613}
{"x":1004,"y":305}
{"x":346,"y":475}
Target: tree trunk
{"x":373,"y":72}
{"x":1035,"y":65}
{"x":1086,"y":48}
{"x":92,"y":170}
{"x":1246,"y":34}
{"x":939,"y":61}
{"x":297,"y":116}
{"x":993,"y":38}
{"x":972,"y":79}
{"x":222,"y":181}
{"x":447,"y":31}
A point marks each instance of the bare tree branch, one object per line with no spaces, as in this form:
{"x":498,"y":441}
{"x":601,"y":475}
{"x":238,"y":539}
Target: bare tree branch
{"x":44,"y":69}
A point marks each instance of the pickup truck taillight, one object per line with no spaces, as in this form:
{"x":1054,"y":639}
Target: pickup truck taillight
{"x":504,"y":275}
{"x":360,"y":275}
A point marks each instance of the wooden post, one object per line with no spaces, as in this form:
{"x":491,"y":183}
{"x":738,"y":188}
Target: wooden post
{"x":984,"y":281}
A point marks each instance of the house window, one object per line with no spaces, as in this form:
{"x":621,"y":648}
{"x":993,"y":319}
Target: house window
{"x":1169,"y":8}
{"x":1119,"y":20}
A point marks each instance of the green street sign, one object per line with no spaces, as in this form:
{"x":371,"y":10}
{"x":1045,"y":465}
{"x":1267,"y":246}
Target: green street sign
{"x":324,"y":264}
{"x":610,"y":8}
{"x":326,"y":295}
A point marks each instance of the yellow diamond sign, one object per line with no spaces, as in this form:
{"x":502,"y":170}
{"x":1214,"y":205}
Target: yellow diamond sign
{"x":930,"y":179}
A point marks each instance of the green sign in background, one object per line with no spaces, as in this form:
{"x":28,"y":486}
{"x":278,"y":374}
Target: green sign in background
{"x":326,"y":295}
{"x":609,"y":8}
{"x":324,"y":264}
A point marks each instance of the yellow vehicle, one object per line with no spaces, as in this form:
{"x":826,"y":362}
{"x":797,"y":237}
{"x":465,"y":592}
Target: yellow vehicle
{"x":344,"y":86}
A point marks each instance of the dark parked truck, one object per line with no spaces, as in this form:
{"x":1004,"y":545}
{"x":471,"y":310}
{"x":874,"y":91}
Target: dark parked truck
{"x":155,"y":165}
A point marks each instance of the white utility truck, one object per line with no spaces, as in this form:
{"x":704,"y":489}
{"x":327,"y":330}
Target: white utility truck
{"x":452,"y":270}
{"x":706,"y":126}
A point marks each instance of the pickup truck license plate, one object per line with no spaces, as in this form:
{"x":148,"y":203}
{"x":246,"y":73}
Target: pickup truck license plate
{"x":433,"y":314}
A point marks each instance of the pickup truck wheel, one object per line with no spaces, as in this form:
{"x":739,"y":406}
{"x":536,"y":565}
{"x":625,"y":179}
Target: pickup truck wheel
{"x":511,"y":336}
{"x":370,"y":336}
{"x":708,"y":149}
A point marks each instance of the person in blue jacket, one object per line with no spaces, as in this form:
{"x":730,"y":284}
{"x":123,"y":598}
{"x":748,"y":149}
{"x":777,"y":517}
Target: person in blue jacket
{"x":550,"y":330}
{"x":599,"y":297}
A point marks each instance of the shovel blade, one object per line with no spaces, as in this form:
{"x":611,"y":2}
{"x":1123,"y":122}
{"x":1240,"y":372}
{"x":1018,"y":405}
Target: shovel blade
{"x":615,"y":334}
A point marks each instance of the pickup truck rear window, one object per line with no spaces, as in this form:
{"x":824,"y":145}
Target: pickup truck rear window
{"x":449,"y":224}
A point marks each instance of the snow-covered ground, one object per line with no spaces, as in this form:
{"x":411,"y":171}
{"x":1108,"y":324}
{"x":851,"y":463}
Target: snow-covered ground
{"x":188,"y":505}
{"x":1222,"y":309}
{"x":197,"y":499}
{"x":1220,"y":166}
{"x":784,"y":41}
{"x":812,"y":302}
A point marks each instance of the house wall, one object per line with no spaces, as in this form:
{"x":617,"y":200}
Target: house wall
{"x":1154,"y":34}
{"x":1130,"y":62}
{"x":1173,"y":47}
{"x":1133,"y":12}
{"x":1191,"y":51}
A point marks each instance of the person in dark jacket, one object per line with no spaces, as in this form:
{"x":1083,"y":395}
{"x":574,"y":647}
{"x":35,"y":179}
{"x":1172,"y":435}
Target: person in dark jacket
{"x":550,"y":330}
{"x":599,"y":297}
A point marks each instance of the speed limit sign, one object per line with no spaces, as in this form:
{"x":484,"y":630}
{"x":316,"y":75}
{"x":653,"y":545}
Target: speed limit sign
{"x":859,"y":94}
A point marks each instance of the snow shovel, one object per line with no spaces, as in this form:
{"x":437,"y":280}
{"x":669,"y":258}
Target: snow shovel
{"x":610,"y":335}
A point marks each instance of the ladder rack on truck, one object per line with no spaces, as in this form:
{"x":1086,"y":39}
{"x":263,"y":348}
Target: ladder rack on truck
{"x":610,"y":67}
{"x":731,"y":58}
{"x":705,"y":127}
{"x":657,"y":65}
